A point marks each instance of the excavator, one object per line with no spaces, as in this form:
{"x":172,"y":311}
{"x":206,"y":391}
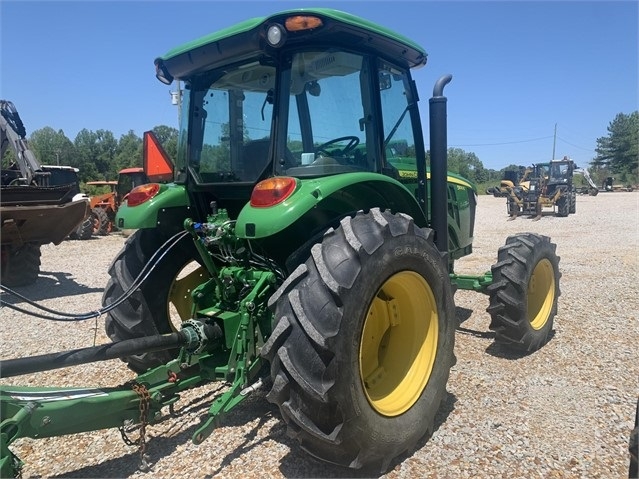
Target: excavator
{"x":34,"y":210}
{"x":590,"y":190}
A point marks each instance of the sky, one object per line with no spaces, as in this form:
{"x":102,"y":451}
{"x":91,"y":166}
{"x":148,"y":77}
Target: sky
{"x":529,"y":78}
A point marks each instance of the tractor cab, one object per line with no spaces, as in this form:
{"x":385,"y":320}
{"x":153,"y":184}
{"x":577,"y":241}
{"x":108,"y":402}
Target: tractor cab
{"x":128,"y":179}
{"x":555,"y":175}
{"x":303,"y":99}
{"x":307,"y":109}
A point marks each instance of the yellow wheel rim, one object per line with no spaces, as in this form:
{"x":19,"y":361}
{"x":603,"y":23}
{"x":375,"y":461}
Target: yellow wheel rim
{"x":541,"y":294}
{"x":180,"y":302}
{"x":399,"y":343}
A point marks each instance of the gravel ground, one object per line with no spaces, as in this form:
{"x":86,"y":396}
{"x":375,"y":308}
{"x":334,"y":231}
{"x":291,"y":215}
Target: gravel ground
{"x":564,"y":411}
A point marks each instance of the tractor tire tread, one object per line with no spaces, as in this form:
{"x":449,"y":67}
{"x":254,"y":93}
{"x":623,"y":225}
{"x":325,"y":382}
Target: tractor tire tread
{"x":21,"y":266}
{"x":312,"y":308}
{"x":508,"y":292}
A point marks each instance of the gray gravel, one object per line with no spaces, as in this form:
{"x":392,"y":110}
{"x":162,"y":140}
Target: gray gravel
{"x":564,"y":411}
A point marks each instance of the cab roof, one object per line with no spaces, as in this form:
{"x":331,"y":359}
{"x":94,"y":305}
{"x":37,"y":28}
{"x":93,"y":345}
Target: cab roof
{"x":247,"y":38}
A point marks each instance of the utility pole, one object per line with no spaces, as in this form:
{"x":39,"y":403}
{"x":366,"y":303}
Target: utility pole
{"x":554,"y":142}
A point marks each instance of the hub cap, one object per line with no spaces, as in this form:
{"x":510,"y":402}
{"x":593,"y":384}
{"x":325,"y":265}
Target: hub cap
{"x":541,"y":294}
{"x":399,"y":343}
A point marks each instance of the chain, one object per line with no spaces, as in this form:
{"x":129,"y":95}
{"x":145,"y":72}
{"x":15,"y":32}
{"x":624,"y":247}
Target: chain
{"x":145,"y":399}
{"x":95,"y":328}
{"x":17,"y":467}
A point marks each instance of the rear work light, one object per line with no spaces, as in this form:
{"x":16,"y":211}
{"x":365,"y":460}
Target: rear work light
{"x":272,"y":191}
{"x":142,"y":193}
{"x":302,"y":22}
{"x":276,"y":34}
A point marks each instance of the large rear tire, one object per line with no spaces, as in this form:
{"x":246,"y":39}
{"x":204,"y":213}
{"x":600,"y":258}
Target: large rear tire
{"x":633,"y":448}
{"x":21,"y":266}
{"x":102,"y":225}
{"x":524,"y":291}
{"x":363,"y":341}
{"x":148,"y":311}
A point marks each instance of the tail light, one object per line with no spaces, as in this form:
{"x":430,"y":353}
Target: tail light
{"x":272,"y":191}
{"x":142,"y":193}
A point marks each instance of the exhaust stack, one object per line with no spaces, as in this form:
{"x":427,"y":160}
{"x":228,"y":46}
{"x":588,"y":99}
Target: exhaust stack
{"x":439,"y":164}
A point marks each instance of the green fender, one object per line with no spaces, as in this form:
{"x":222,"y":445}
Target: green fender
{"x":170,"y":198}
{"x":318,"y":202}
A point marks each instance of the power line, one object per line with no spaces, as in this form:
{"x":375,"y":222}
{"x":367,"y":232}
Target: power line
{"x":505,"y":142}
{"x":576,"y":146}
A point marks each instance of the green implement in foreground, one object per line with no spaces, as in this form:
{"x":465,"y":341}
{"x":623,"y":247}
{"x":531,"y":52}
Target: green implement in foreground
{"x":307,"y":244}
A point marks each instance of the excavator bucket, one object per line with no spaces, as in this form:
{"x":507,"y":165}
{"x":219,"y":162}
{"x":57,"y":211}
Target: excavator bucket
{"x":157,"y":164}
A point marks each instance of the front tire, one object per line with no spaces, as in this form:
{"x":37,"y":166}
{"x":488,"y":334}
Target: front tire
{"x":85,"y":230}
{"x":363,"y":341}
{"x":563,"y":206}
{"x":512,"y":208}
{"x":524,"y":291}
{"x":21,"y":266}
{"x":147,"y":312}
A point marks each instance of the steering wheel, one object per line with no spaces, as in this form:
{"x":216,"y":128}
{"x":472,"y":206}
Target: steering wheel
{"x":353,"y":141}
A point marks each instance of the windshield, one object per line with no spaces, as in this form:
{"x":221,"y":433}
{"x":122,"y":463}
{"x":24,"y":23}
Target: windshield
{"x":323,"y":122}
{"x":559,"y":171}
{"x":326,"y":120}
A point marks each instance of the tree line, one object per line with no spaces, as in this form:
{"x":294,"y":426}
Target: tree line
{"x":98,"y":155}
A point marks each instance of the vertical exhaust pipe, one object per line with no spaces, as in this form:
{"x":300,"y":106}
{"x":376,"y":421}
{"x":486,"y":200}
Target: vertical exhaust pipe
{"x":439,"y":164}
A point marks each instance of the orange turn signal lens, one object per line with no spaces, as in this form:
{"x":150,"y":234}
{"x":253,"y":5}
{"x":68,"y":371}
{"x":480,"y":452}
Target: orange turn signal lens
{"x":142,"y":193}
{"x":302,"y":22}
{"x":272,"y":191}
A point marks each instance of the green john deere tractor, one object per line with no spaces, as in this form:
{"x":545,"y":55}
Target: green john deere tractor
{"x":305,"y":245}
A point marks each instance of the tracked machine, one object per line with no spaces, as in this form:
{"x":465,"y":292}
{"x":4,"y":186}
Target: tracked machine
{"x":304,"y":247}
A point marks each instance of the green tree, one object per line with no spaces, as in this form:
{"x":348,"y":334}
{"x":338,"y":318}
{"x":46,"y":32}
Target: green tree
{"x":168,"y":138}
{"x":467,"y":164}
{"x":52,"y":147}
{"x":128,"y":153}
{"x":619,"y":150}
{"x":96,"y":153}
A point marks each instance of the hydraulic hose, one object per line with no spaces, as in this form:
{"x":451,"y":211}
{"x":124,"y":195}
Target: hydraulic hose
{"x":128,"y":347}
{"x":62,"y":316}
{"x":187,"y":337}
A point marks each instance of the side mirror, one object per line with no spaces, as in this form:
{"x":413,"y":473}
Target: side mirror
{"x":384,"y":81}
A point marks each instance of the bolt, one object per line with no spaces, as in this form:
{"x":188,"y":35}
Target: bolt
{"x":184,"y":366}
{"x":46,"y":420}
{"x":157,"y":416}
